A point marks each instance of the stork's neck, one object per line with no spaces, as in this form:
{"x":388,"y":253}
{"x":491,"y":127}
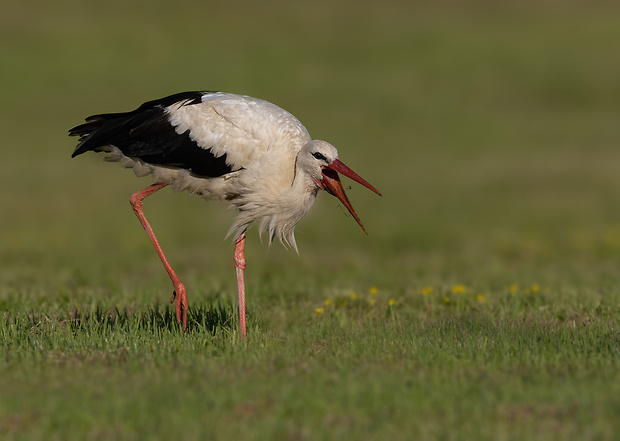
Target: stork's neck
{"x":293,"y":204}
{"x":303,"y":184}
{"x":278,"y":213}
{"x":300,"y":196}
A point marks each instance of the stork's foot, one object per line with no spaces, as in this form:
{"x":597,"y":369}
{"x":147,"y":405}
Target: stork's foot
{"x":180,"y":295}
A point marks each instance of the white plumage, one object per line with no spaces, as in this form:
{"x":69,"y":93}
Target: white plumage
{"x":224,"y":147}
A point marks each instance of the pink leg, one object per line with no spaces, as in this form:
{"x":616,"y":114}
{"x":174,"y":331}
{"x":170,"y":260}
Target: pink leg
{"x":239,"y":267}
{"x":179,"y":292}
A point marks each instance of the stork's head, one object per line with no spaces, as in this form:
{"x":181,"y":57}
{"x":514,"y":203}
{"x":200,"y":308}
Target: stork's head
{"x":320,"y":160}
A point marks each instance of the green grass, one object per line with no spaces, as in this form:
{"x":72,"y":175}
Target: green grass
{"x":483,"y":304}
{"x":364,"y":371}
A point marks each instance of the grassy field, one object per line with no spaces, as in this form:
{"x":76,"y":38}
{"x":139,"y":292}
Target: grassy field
{"x":484,"y":303}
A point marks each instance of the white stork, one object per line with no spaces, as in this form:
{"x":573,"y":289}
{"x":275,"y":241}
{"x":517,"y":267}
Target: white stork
{"x":224,"y":147}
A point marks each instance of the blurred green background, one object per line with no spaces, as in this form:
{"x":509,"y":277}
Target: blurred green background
{"x":490,"y":127}
{"x":492,"y":130}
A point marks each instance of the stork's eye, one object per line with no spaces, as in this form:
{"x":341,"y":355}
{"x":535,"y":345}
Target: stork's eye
{"x":319,"y":156}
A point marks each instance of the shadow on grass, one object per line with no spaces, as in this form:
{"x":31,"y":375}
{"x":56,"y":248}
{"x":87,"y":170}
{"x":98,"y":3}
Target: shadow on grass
{"x":200,"y":318}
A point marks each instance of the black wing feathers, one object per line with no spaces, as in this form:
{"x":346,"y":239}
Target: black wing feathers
{"x":147,"y":134}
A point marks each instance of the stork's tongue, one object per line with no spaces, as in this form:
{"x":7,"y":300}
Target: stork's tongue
{"x":331,"y":183}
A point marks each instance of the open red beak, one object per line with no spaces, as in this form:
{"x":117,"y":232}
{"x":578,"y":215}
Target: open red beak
{"x":331,"y":183}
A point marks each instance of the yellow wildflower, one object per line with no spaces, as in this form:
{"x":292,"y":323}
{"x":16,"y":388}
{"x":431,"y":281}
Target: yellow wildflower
{"x":458,"y":289}
{"x":354,"y":296}
{"x":446,"y":299}
{"x":481,"y":298}
{"x":319,"y":310}
{"x":513,"y":289}
{"x":391,"y":302}
{"x":373,"y":290}
{"x":427,"y":290}
{"x":328,"y":302}
{"x":535,"y":288}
